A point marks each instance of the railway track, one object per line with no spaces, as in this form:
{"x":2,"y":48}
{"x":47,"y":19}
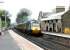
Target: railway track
{"x":44,"y":42}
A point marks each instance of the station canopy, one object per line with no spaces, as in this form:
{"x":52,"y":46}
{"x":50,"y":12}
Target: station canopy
{"x":53,"y":16}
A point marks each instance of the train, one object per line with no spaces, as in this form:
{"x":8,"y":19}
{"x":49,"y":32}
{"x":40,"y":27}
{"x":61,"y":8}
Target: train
{"x":30,"y":27}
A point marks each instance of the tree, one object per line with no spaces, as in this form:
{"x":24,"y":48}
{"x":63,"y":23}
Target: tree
{"x":22,"y":16}
{"x":4,"y":16}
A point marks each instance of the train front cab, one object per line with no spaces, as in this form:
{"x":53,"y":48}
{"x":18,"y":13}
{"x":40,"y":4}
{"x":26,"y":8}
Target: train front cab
{"x":36,"y":31}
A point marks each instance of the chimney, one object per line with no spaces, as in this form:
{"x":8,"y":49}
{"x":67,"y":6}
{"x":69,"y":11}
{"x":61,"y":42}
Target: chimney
{"x":60,"y":9}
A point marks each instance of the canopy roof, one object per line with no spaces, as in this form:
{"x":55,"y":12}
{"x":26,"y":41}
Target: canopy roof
{"x":53,"y":16}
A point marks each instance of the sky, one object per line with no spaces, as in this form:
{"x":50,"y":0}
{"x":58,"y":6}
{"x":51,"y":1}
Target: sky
{"x":14,"y":6}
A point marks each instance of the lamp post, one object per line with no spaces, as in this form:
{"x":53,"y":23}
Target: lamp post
{"x":0,"y":24}
{"x":5,"y":20}
{"x":6,"y":14}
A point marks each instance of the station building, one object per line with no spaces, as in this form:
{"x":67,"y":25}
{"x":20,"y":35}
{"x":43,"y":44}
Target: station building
{"x":52,"y":22}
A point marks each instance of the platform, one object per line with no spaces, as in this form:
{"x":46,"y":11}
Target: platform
{"x":57,"y":34}
{"x":23,"y":43}
{"x":7,"y":42}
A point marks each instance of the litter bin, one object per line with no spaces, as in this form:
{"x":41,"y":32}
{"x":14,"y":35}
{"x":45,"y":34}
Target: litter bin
{"x":0,"y":33}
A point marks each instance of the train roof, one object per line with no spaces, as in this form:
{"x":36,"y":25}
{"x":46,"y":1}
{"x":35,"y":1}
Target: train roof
{"x":28,"y":21}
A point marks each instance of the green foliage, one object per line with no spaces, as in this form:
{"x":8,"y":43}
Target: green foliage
{"x":1,"y":13}
{"x":4,"y":14}
{"x":23,"y":15}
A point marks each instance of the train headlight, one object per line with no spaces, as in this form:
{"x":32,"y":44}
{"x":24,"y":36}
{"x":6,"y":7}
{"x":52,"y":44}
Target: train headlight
{"x":35,"y":28}
{"x":38,"y":28}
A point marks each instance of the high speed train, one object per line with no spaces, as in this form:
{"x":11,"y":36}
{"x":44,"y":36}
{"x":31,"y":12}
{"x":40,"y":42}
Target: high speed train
{"x":30,"y":27}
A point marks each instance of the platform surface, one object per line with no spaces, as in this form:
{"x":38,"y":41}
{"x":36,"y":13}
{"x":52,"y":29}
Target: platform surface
{"x":23,"y":43}
{"x":57,"y":34}
{"x":7,"y":42}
